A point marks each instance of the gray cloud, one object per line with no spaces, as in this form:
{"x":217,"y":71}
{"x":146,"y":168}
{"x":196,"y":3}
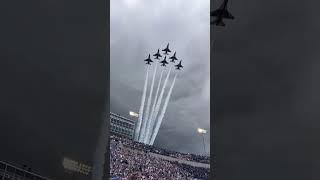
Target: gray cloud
{"x":141,"y":27}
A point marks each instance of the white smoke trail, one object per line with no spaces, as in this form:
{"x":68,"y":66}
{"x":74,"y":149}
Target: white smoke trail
{"x":147,"y":112}
{"x":158,"y":104}
{"x":147,"y":136}
{"x":137,"y":132}
{"x":157,"y":127}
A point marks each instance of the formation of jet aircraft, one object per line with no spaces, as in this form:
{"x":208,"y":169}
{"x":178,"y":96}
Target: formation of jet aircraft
{"x":164,"y":62}
{"x":157,"y":55}
{"x":220,"y":13}
{"x":178,"y":66}
{"x":148,"y":60}
{"x":166,"y":50}
{"x":173,"y":58}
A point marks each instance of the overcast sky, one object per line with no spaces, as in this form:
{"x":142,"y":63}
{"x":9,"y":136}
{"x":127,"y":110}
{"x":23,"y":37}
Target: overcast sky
{"x":140,"y":27}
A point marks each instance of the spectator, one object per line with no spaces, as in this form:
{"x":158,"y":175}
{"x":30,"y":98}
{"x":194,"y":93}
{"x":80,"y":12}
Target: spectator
{"x":131,"y":160}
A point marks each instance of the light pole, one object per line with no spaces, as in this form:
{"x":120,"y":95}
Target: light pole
{"x":203,"y":132}
{"x":134,"y":114}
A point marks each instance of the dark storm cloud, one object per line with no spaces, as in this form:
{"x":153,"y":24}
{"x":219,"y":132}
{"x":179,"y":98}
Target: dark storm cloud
{"x":141,"y":27}
{"x":266,"y":91}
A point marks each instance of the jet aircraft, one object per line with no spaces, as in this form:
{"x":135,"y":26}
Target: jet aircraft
{"x":166,"y":50}
{"x":173,"y":58}
{"x":157,"y":55}
{"x":220,"y":13}
{"x":164,"y":62}
{"x":148,"y":60}
{"x":178,"y":66}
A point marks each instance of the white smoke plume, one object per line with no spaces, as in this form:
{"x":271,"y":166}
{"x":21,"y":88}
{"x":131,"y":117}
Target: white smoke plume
{"x":147,"y":112}
{"x":137,"y":132}
{"x":159,"y":102}
{"x":157,"y":127}
{"x":147,"y":136}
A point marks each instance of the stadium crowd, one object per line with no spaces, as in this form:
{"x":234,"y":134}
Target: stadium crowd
{"x":148,"y":148}
{"x":130,"y":160}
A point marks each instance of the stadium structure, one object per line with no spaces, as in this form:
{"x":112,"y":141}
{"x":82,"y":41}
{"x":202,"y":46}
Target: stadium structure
{"x":121,"y":126}
{"x":9,"y":171}
{"x":128,"y":158}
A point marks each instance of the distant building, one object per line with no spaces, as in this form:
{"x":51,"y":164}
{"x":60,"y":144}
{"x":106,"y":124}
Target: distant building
{"x":12,"y":172}
{"x":121,"y":126}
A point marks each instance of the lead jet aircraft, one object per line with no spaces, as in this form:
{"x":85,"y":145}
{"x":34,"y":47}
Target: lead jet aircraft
{"x":164,"y":62}
{"x":148,"y":60}
{"x":166,"y":50}
{"x":178,"y":66}
{"x":220,"y":13}
{"x":173,"y":58}
{"x":157,"y":55}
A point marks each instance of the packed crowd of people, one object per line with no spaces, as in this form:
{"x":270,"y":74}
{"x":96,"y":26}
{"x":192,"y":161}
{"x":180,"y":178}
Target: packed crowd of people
{"x":148,"y":148}
{"x":130,"y":160}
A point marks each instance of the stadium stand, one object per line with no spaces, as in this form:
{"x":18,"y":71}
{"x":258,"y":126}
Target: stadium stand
{"x":133,"y":160}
